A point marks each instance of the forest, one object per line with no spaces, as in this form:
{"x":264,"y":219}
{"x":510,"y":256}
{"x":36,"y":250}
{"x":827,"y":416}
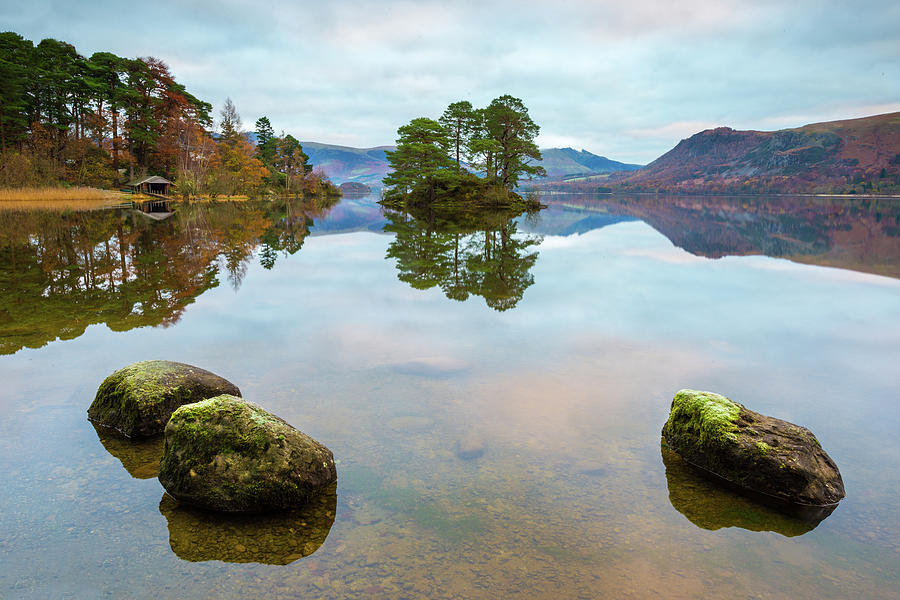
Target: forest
{"x":103,"y":120}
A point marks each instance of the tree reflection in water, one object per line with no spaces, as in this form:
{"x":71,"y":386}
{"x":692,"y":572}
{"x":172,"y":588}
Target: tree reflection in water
{"x":63,"y":271}
{"x":464,"y":253}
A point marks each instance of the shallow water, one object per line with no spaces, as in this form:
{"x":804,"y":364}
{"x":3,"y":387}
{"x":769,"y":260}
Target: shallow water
{"x":577,"y":327}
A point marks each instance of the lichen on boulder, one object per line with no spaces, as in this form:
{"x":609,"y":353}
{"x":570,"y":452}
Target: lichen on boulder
{"x":230,"y":455}
{"x":762,"y":455}
{"x":138,"y":400}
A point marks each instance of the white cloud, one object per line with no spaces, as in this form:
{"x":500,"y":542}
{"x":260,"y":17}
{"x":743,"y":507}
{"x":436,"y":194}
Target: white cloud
{"x":626,"y":80}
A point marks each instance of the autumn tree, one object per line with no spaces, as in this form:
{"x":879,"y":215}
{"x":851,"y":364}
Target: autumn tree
{"x":237,"y":171}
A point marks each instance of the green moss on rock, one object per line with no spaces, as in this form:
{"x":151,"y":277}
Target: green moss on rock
{"x":227,"y":454}
{"x":138,"y":400}
{"x":708,"y":418}
{"x":755,"y":452}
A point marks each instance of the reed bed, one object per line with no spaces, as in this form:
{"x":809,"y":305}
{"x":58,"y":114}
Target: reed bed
{"x":76,"y":198}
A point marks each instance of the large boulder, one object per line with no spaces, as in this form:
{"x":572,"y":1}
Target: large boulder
{"x":138,"y":400}
{"x":230,"y":455}
{"x":763,"y":455}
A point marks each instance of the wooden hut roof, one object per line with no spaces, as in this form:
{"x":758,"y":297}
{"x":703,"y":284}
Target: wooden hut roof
{"x":150,"y":179}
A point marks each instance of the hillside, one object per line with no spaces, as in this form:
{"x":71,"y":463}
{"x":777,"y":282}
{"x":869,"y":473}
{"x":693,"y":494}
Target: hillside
{"x":369,"y":165}
{"x":851,"y":156}
{"x":567,"y":162}
{"x":343,"y":163}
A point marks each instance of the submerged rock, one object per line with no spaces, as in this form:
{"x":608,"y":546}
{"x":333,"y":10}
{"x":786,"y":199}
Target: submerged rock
{"x":138,"y":400}
{"x":469,"y":447}
{"x":228,"y":454}
{"x":270,"y":539}
{"x":759,"y":454}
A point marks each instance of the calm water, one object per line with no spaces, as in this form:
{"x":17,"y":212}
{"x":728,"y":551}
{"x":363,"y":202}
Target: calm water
{"x":549,"y":345}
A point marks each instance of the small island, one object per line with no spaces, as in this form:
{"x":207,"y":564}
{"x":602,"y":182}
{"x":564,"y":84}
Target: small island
{"x":497,"y":143}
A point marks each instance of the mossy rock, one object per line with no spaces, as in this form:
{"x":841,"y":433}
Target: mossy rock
{"x":138,"y":400}
{"x":762,"y":455}
{"x":271,"y":539}
{"x":228,"y":454}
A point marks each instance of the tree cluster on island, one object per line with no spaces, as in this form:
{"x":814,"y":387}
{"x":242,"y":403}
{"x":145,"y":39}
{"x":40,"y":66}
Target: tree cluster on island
{"x":477,"y":155}
{"x":103,"y":120}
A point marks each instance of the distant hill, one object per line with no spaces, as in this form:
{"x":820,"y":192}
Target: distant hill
{"x":568,"y":162}
{"x":851,"y":156}
{"x":343,"y":163}
{"x":369,"y":165}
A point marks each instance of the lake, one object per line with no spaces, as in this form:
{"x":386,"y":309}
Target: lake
{"x":493,"y":394}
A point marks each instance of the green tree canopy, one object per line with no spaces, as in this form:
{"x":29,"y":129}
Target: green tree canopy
{"x":506,"y":121}
{"x":421,"y":157}
{"x":458,"y":119}
{"x":265,"y":141}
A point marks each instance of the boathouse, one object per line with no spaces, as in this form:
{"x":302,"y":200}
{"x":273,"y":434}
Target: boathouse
{"x":153,"y":184}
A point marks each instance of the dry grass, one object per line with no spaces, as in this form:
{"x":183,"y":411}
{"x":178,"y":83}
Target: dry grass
{"x":78,"y":198}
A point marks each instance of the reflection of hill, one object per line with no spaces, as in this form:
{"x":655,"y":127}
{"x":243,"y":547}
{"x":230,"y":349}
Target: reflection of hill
{"x":271,"y":539}
{"x":476,"y":253}
{"x":353,"y":214}
{"x":861,"y":235}
{"x":710,"y":506}
{"x":61,"y":272}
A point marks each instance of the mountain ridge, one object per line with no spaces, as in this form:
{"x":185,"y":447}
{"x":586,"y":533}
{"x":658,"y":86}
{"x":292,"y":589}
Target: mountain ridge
{"x":860,"y":155}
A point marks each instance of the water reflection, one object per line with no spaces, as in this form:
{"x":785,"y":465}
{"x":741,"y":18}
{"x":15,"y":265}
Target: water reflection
{"x":272,"y":539}
{"x":711,"y":506}
{"x":474,"y":253}
{"x":63,"y":271}
{"x":140,"y":457}
{"x":859,"y":234}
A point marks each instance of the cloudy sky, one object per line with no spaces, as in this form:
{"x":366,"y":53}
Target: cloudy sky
{"x":625,"y":79}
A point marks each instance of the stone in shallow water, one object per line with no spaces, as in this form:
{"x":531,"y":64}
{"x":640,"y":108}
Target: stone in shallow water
{"x":230,"y":455}
{"x":763,"y":455}
{"x":469,"y":447}
{"x":138,"y":400}
{"x":273,"y":539}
